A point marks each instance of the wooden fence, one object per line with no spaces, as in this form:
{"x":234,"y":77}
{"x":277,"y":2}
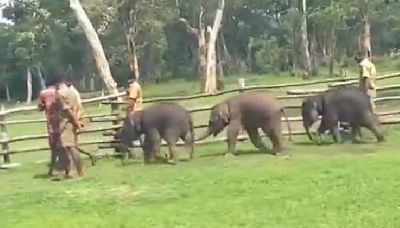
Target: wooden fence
{"x":114,"y":117}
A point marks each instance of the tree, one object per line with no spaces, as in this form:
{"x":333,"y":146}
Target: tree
{"x":95,"y":44}
{"x":305,"y":54}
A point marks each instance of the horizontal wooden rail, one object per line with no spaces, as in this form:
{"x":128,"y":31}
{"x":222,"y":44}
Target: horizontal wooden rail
{"x":354,"y":80}
{"x":316,"y":91}
{"x":43,"y":120}
{"x":112,"y":143}
{"x":44,"y":136}
{"x":46,"y":148}
{"x":84,"y":101}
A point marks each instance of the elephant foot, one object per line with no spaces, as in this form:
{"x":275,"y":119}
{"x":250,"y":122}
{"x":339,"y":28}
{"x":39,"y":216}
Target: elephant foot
{"x":230,"y":155}
{"x":172,"y":162}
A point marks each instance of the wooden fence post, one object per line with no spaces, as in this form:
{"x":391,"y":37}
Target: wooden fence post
{"x":116,"y":115}
{"x":241,"y":84}
{"x":4,"y":136}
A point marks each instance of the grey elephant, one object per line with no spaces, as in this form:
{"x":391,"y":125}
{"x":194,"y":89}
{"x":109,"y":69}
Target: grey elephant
{"x":346,"y":104}
{"x":251,"y":111}
{"x":168,"y":121}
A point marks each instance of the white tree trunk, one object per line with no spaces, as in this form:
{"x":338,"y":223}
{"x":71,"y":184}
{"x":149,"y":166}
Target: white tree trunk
{"x":8,"y":93}
{"x":41,"y":79}
{"x":366,"y":42}
{"x":92,"y":86}
{"x":97,"y":48}
{"x":28,"y":85}
{"x":305,"y":54}
{"x":211,"y":73}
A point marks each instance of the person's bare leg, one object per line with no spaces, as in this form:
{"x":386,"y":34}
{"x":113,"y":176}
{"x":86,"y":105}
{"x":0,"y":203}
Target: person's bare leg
{"x":75,"y":156}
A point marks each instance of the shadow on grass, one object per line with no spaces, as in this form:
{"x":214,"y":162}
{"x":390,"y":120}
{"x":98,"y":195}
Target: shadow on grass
{"x":41,"y":176}
{"x":238,"y":153}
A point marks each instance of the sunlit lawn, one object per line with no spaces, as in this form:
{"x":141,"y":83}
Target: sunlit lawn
{"x":314,"y":186}
{"x":344,"y":185}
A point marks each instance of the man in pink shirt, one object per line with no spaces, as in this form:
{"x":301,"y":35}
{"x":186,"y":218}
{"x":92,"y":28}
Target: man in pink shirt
{"x":47,"y":102}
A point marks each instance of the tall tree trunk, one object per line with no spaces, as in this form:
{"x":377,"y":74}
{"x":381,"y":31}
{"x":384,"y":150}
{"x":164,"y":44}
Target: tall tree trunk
{"x":250,"y":55}
{"x":220,"y":64}
{"x":305,"y":54}
{"x":28,"y":85}
{"x":133,"y":60}
{"x":314,"y":55}
{"x":8,"y":93}
{"x":40,"y":76}
{"x":211,"y":80}
{"x":366,"y":37}
{"x":225,"y":55}
{"x":97,"y":49}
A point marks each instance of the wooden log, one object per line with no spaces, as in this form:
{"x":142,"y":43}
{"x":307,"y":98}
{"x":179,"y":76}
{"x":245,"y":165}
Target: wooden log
{"x":46,"y":148}
{"x":43,"y":120}
{"x":4,"y":146}
{"x":354,"y":80}
{"x":316,"y":91}
{"x":44,"y":136}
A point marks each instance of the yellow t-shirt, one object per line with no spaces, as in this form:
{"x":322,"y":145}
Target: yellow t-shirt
{"x":135,"y":94}
{"x":367,"y":70}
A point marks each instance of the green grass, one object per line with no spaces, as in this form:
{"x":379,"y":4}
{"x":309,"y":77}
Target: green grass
{"x":344,"y":185}
{"x":314,"y":186}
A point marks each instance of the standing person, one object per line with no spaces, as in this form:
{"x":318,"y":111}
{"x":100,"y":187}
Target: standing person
{"x":47,"y":102}
{"x":69,"y":128}
{"x":79,"y":112}
{"x":367,"y":76}
{"x":135,"y":96}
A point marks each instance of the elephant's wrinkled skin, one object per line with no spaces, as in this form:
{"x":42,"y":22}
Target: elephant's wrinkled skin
{"x":347,"y":104}
{"x":168,"y":121}
{"x":251,"y":111}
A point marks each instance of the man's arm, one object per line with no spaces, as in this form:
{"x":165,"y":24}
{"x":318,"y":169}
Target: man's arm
{"x":66,"y":107}
{"x":132,"y":97}
{"x":365,"y":77}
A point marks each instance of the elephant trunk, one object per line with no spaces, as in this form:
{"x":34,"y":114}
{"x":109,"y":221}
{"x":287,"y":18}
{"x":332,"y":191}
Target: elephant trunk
{"x":206,"y":134}
{"x":308,"y":133}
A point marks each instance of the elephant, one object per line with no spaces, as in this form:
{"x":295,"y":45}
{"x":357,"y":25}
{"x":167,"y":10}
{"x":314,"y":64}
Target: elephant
{"x":346,"y":104}
{"x":168,"y":121}
{"x":251,"y":111}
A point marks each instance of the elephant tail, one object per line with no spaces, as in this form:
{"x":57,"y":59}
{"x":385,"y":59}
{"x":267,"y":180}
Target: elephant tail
{"x":288,"y":124}
{"x":192,"y":136}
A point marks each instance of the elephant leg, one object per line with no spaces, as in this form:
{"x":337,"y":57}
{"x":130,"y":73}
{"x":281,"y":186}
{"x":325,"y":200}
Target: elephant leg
{"x":274,"y":133}
{"x":355,"y":130}
{"x":256,"y":139}
{"x":371,"y":125}
{"x":171,"y":137}
{"x":152,"y":143}
{"x":233,"y":133}
{"x":336,"y":134}
{"x":189,"y":140}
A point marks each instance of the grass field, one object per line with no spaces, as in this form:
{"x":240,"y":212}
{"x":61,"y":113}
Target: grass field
{"x":345,"y":185}
{"x":313,"y":186}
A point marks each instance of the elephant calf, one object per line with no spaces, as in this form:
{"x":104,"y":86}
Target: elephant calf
{"x":250,"y":110}
{"x":168,"y":121}
{"x":346,"y":104}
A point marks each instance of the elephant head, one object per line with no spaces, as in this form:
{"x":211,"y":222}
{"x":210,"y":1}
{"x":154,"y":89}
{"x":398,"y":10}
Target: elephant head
{"x":219,"y":119}
{"x":310,"y":111}
{"x":131,"y":128}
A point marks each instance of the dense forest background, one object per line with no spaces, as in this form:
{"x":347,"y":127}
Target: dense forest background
{"x":162,"y":39}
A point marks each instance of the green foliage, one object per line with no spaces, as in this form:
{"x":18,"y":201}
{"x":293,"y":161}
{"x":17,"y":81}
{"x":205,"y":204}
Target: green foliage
{"x":45,"y":33}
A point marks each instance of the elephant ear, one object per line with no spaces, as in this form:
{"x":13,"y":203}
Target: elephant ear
{"x":224,"y":112}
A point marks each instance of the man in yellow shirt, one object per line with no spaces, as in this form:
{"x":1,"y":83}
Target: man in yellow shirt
{"x":135,"y":96}
{"x":367,"y":76}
